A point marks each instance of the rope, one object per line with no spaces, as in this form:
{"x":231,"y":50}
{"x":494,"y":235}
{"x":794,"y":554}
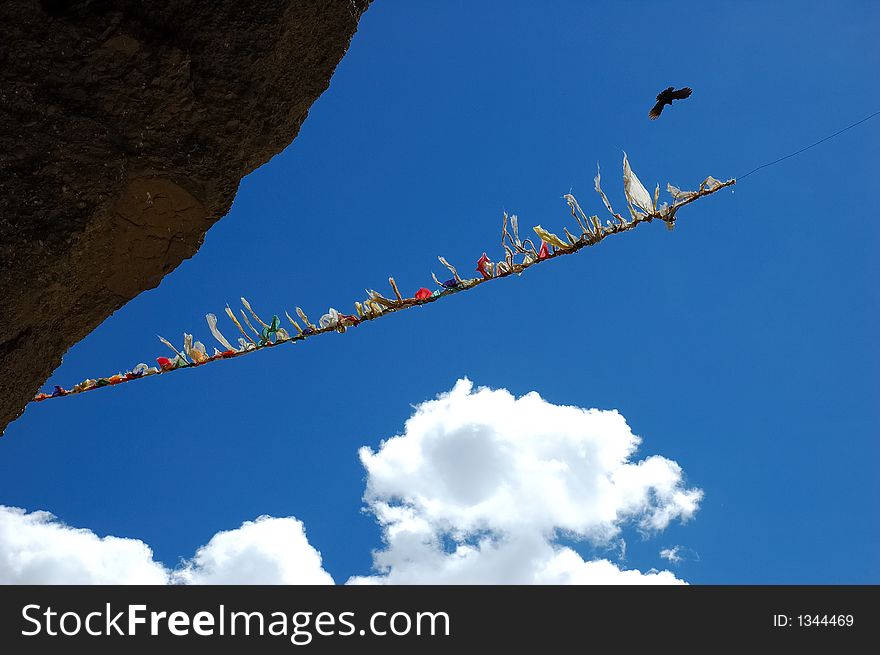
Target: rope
{"x":849,"y":127}
{"x":377,"y":306}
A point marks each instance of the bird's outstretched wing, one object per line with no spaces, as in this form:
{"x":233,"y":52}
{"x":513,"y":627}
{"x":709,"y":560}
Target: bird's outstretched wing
{"x":654,"y":114}
{"x":681,"y":94}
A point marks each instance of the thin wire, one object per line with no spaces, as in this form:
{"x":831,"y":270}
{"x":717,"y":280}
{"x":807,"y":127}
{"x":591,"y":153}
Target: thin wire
{"x":849,"y":127}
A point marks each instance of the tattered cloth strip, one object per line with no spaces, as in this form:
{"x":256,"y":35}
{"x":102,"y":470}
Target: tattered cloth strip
{"x":519,"y":254}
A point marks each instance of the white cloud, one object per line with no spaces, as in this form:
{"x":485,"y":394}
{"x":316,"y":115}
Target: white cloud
{"x":523,"y":559}
{"x":671,"y":554}
{"x":678,"y":554}
{"x":478,"y":489}
{"x":265,"y":551}
{"x":35,"y":548}
{"x":480,"y":484}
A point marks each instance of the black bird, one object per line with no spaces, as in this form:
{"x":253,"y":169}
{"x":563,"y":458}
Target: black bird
{"x":666,"y":97}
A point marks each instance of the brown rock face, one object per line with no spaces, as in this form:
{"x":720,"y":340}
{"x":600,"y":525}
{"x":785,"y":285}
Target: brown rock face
{"x":125,"y":128}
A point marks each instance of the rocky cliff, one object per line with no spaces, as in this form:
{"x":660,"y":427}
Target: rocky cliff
{"x":125,"y":128}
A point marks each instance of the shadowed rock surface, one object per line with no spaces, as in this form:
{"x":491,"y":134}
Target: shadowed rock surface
{"x":125,"y":128}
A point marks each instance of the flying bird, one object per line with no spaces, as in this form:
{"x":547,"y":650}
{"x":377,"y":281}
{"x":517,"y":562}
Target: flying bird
{"x":666,"y":97}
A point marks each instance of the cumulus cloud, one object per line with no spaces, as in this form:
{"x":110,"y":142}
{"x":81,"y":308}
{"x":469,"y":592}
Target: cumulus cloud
{"x":266,"y":551}
{"x":481,"y":484}
{"x":480,"y":488}
{"x":36,"y":548}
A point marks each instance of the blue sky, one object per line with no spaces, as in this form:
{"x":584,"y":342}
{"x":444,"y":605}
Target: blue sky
{"x":742,"y":345}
